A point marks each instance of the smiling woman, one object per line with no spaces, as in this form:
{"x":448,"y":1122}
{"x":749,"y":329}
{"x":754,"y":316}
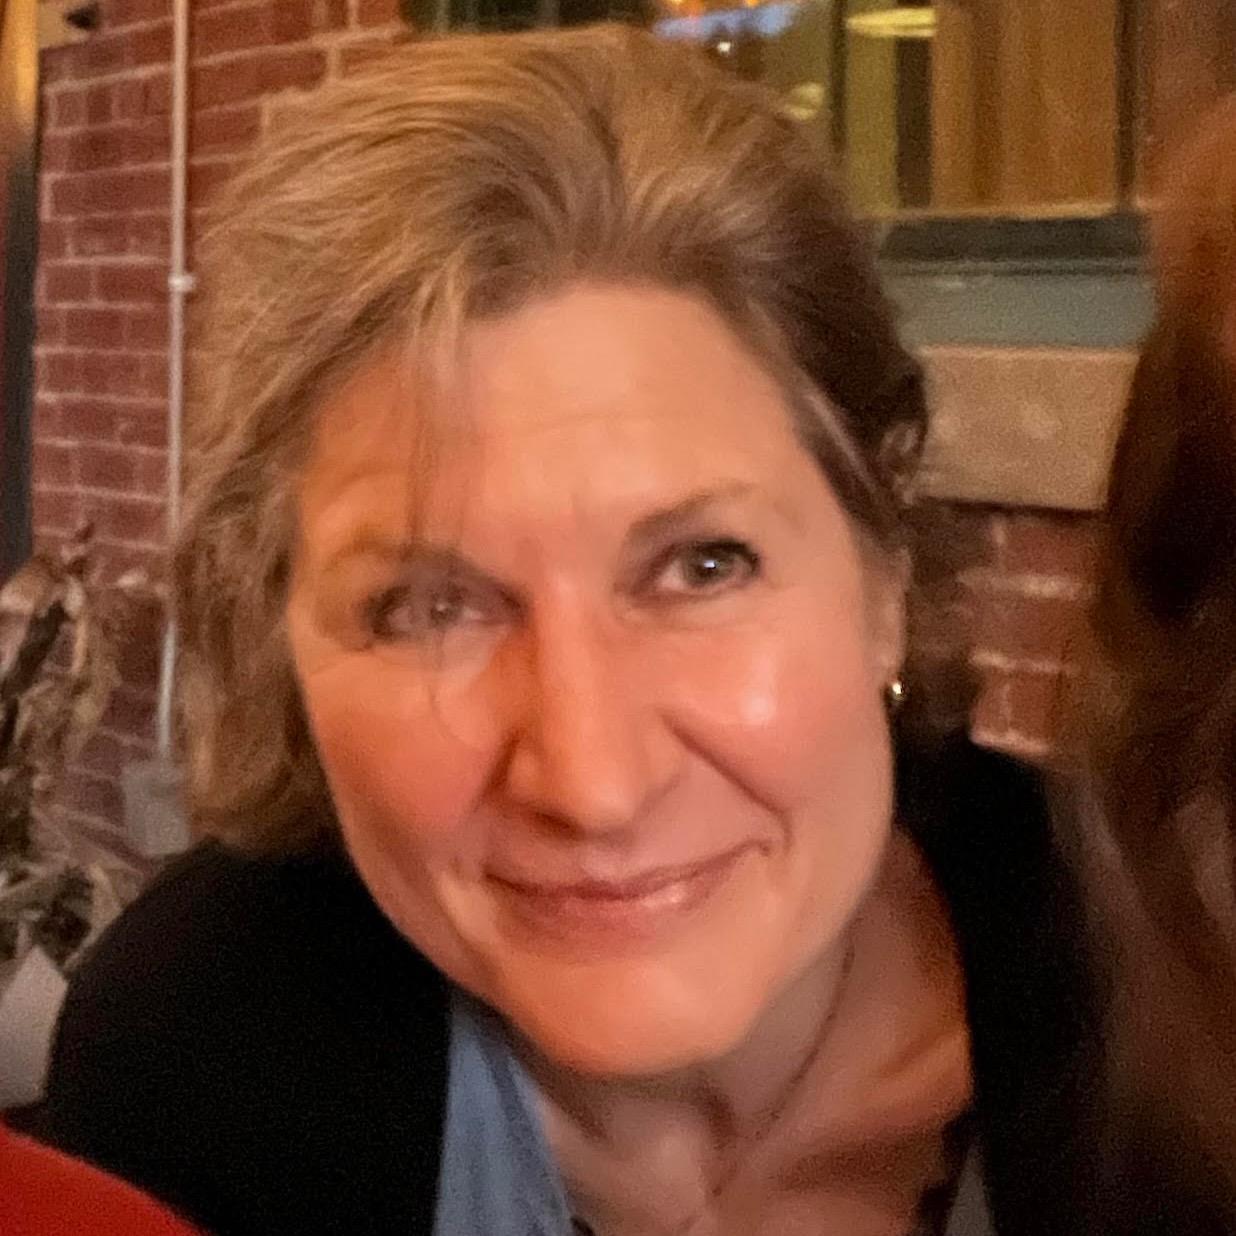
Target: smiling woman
{"x":586,"y":697}
{"x":543,"y":589}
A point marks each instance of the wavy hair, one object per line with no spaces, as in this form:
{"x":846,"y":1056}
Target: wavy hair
{"x":457,"y":179}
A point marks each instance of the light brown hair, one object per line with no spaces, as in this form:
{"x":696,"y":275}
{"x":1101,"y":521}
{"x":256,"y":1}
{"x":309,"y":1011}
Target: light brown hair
{"x":457,"y":179}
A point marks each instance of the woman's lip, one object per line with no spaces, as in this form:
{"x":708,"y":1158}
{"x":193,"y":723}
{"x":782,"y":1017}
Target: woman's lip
{"x":634,"y":888}
{"x":591,"y":918}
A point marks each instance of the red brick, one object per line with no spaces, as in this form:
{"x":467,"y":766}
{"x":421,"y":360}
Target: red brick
{"x":227,"y":81}
{"x":133,"y":283}
{"x":56,"y":510}
{"x":120,"y":378}
{"x":358,"y":55}
{"x":1036,"y":703}
{"x":52,"y":464}
{"x":99,"y":104}
{"x":104,"y":53}
{"x":150,"y":472}
{"x":47,"y":416}
{"x":116,"y":373}
{"x":109,"y":52}
{"x":149,"y":235}
{"x":1020,"y":712}
{"x":1043,"y":630}
{"x":111,"y":192}
{"x":107,"y":373}
{"x":123,"y":517}
{"x":106,"y":753}
{"x":329,"y":14}
{"x":106,"y":467}
{"x":147,"y":141}
{"x":56,"y":152}
{"x":129,"y":12}
{"x":288,"y":70}
{"x":53,"y":240}
{"x":1062,"y":546}
{"x":100,"y":236}
{"x":153,"y":44}
{"x":142,"y":424}
{"x":146,"y":329}
{"x":67,"y":283}
{"x":245,"y":77}
{"x":56,"y":371}
{"x":153,"y":375}
{"x":66,"y":109}
{"x":137,"y":653}
{"x":130,"y":98}
{"x":49,"y":327}
{"x":94,"y":328}
{"x":377,"y":12}
{"x":129,"y":711}
{"x":224,"y":128}
{"x":57,"y":64}
{"x":138,"y":97}
{"x":91,"y":795}
{"x":267,"y":24}
{"x":207,"y":178}
{"x":112,"y":560}
{"x":233,"y":29}
{"x":158,"y":95}
{"x":87,"y":418}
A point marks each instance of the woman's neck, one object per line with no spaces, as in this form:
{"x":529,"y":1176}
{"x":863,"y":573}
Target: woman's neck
{"x":714,"y":1105}
{"x":866,"y":1054}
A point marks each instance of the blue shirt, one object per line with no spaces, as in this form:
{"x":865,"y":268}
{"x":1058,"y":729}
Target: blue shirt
{"x":498,"y":1176}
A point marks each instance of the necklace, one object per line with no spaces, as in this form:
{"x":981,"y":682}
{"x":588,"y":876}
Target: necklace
{"x":750,"y":1141}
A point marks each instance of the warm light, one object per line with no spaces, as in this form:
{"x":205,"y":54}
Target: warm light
{"x":725,"y":47}
{"x":915,"y":23}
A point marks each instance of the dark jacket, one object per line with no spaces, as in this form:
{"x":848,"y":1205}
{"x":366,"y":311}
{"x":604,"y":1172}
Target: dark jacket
{"x":255,"y":1044}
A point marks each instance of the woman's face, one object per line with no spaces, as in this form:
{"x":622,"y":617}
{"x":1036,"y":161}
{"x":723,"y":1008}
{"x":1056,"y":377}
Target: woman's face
{"x":598,"y":694}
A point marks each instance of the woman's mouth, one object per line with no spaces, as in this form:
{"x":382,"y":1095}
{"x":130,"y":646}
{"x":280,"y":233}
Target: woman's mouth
{"x":606,"y":915}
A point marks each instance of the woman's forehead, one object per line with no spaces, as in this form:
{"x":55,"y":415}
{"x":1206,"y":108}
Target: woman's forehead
{"x":610,"y":391}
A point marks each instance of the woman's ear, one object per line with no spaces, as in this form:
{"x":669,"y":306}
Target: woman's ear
{"x":888,"y":580}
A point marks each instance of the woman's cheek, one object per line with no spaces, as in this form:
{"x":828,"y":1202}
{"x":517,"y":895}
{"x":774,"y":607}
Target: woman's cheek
{"x":390,"y":752}
{"x":774,"y":704}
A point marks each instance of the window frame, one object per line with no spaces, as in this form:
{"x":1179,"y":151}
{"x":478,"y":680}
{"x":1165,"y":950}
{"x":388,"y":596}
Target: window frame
{"x":1114,"y":239}
{"x":19,"y":242}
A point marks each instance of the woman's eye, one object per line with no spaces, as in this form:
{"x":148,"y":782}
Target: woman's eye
{"x":407,"y":613}
{"x":705,"y":567}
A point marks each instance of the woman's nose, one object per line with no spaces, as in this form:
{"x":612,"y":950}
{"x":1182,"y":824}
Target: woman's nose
{"x":592,"y":750}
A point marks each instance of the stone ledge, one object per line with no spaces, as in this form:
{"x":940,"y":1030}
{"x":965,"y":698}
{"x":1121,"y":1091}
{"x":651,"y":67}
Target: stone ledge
{"x":1029,"y":427}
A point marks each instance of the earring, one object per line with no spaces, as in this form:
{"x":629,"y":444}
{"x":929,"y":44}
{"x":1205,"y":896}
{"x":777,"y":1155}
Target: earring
{"x":895,"y":694}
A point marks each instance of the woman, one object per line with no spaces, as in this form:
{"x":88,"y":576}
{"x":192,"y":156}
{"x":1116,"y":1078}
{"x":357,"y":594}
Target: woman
{"x":543,"y":605}
{"x":1161,"y":711}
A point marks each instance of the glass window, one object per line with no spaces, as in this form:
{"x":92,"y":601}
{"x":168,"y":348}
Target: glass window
{"x":1039,"y":109}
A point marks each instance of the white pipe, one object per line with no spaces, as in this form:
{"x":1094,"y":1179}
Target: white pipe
{"x":179,"y":284}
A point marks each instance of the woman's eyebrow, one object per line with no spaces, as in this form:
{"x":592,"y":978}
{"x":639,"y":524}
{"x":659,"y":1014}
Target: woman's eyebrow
{"x":663,"y":523}
{"x":395,"y":549}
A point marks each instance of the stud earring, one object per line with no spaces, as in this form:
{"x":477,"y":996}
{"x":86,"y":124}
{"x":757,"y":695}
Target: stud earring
{"x":895,"y":694}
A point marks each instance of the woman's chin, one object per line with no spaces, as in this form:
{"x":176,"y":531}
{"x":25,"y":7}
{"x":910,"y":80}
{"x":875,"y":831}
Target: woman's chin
{"x":629,"y":1038}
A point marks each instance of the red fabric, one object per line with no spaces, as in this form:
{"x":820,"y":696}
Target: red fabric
{"x":45,"y":1193}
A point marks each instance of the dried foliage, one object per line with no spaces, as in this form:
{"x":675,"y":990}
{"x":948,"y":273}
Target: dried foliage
{"x":59,"y":885}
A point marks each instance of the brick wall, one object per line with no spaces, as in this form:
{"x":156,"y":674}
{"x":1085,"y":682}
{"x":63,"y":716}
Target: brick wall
{"x":1029,"y":590}
{"x":101,"y":365}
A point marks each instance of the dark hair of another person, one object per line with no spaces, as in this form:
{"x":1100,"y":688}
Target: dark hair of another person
{"x":1162,"y":715}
